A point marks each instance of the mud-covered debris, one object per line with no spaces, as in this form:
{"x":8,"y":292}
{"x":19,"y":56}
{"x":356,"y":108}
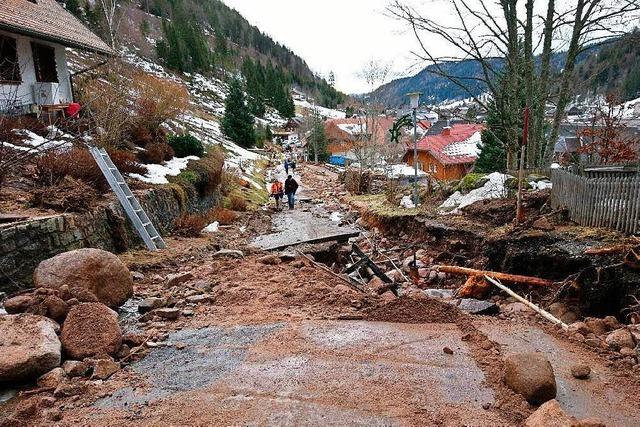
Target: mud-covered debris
{"x":229,"y":253}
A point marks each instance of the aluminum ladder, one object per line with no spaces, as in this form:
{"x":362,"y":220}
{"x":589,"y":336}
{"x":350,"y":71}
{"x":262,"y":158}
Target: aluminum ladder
{"x":132,"y":207}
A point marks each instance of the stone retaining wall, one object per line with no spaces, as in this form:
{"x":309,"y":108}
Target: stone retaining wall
{"x":23,"y":245}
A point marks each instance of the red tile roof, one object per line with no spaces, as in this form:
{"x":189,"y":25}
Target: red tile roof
{"x":48,"y":20}
{"x":442,"y":146}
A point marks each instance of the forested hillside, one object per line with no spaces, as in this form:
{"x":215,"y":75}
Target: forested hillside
{"x":205,"y":36}
{"x":612,"y":67}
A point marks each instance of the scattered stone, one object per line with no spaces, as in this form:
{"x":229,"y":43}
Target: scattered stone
{"x":550,"y":414}
{"x":137,"y":276}
{"x":178,"y":279}
{"x":486,"y":345}
{"x":620,"y":338}
{"x":104,"y":368}
{"x":78,"y":294}
{"x":168,"y":313}
{"x":57,"y":309}
{"x":439,"y":293}
{"x":52,"y":379}
{"x":123,"y":352}
{"x":580,"y":371}
{"x":476,"y":306}
{"x":531,"y":375}
{"x":515,"y":307}
{"x":98,"y":271}
{"x":180,"y":346}
{"x":423,"y":272}
{"x":593,"y":342}
{"x":187,"y":313}
{"x":53,"y":414}
{"x":298,"y":263}
{"x":228,"y":253}
{"x":134,"y":339}
{"x":198,"y":299}
{"x":75,"y":368}
{"x":70,"y":389}
{"x":611,"y":323}
{"x":47,"y":402}
{"x":91,"y":329}
{"x":19,"y":304}
{"x":569,"y":317}
{"x":30,"y":347}
{"x":150,"y":304}
{"x":596,"y":325}
{"x":270,"y":259}
{"x":447,"y":350}
{"x":579,"y":327}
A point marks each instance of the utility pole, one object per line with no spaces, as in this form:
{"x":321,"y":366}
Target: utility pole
{"x":414,"y":99}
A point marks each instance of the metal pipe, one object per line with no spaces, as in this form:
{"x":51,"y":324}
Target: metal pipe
{"x":415,"y":158}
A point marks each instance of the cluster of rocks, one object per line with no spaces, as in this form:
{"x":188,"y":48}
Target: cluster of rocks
{"x":64,"y":332}
{"x":621,"y":341}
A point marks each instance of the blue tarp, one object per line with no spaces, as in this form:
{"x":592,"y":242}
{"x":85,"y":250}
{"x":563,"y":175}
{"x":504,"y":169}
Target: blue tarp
{"x":337,"y":160}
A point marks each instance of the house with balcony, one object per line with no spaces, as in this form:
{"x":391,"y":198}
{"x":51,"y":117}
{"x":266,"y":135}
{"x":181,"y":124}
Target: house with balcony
{"x":34,"y":35}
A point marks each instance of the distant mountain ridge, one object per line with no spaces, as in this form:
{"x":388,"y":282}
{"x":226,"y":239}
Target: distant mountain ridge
{"x":603,"y":68}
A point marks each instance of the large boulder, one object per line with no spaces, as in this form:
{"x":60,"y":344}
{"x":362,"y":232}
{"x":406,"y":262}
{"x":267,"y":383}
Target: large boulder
{"x":531,"y":375}
{"x":29,"y":347}
{"x":91,"y":330}
{"x":98,"y":271}
{"x":620,"y":338}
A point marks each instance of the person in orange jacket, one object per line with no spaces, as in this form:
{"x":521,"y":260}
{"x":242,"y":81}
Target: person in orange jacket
{"x":277,"y":192}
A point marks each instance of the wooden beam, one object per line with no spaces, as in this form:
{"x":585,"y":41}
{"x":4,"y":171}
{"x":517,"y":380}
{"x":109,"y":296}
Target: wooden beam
{"x":505,"y":277}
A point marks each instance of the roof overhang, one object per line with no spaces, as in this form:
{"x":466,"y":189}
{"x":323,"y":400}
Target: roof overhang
{"x":65,"y":42}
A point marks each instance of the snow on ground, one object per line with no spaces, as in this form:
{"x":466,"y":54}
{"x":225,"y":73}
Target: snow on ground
{"x":325,"y":112}
{"x":353,"y":128}
{"x":336,"y":216}
{"x":402,"y":170}
{"x":212,"y":228}
{"x":35,"y":143}
{"x":494,"y":189}
{"x":407,"y":203}
{"x":157,"y":174}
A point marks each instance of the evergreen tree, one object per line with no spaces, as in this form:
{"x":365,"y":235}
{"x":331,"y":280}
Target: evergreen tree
{"x":237,"y":124}
{"x":493,"y":156}
{"x":317,"y":139}
{"x":73,"y":6}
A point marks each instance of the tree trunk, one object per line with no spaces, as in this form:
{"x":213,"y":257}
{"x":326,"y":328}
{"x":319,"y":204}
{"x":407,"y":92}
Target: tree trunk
{"x":563,"y":97}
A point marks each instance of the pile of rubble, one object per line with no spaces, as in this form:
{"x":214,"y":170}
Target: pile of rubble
{"x":64,"y":335}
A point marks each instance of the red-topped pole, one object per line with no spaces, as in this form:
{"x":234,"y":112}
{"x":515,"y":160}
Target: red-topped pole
{"x":523,"y":149}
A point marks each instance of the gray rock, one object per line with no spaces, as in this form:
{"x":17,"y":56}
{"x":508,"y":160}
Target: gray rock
{"x":150,"y":304}
{"x":228,"y":253}
{"x":29,"y":347}
{"x":476,"y":306}
{"x":178,"y":279}
{"x":75,"y":368}
{"x":168,"y":313}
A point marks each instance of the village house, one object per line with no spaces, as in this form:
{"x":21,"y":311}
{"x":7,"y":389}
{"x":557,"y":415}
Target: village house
{"x":289,"y":133}
{"x":449,"y":155}
{"x":34,"y":35}
{"x":344,"y":136}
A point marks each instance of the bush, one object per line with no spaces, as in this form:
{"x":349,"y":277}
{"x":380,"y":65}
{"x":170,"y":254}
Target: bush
{"x":189,"y":225}
{"x":156,"y":153}
{"x":229,"y":180}
{"x":9,"y":123}
{"x":238,"y":203}
{"x":223,"y":216}
{"x":54,"y":166}
{"x":471,"y":181}
{"x":186,"y":145}
{"x":68,"y":195}
{"x":209,"y":172}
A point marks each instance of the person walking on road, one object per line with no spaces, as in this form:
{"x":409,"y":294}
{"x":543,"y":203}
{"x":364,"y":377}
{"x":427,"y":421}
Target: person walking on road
{"x":292,"y":165}
{"x":286,"y":166}
{"x":277,"y":192}
{"x":290,"y":188}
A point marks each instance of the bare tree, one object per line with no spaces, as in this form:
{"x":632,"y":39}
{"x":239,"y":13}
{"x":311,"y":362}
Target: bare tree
{"x":504,"y":40}
{"x":112,"y":17}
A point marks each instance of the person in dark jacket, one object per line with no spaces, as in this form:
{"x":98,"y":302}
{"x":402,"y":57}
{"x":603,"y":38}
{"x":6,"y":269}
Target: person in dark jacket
{"x":290,"y":188}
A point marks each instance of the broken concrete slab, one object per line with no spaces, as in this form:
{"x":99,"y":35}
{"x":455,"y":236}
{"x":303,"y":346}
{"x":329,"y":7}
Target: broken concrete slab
{"x":299,"y":227}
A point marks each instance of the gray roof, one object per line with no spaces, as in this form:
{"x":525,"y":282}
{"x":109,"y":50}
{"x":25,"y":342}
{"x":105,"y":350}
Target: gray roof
{"x":48,"y":20}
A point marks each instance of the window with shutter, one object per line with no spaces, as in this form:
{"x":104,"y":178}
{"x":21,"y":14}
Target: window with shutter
{"x":9,"y":67}
{"x":44,"y":60}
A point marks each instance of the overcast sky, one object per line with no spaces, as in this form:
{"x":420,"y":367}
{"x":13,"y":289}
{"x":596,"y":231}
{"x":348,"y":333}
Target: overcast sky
{"x":334,"y":35}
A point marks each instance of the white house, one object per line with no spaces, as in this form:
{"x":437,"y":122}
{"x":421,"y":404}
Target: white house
{"x":33,"y":65}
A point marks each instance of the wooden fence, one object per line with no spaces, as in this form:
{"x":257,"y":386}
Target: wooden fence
{"x":609,"y":201}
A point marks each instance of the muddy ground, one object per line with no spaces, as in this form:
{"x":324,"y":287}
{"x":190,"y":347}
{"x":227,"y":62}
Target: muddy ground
{"x":291,"y":344}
